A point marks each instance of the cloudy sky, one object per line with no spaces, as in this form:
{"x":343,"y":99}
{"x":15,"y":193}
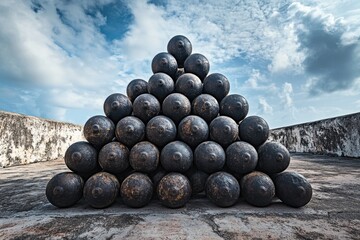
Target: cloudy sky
{"x":293,"y":61}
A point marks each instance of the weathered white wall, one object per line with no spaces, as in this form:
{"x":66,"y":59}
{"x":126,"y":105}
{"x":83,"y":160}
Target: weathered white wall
{"x":25,"y":139}
{"x":335,"y":136}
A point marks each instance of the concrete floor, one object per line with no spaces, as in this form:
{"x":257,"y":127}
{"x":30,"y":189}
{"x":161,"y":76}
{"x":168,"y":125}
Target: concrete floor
{"x":333,"y":213}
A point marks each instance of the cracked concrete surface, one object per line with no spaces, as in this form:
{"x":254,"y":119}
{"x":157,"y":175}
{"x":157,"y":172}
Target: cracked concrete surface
{"x":333,"y":213}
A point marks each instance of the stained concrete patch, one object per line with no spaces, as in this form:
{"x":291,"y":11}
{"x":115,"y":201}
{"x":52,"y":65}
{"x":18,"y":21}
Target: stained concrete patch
{"x":333,"y":213}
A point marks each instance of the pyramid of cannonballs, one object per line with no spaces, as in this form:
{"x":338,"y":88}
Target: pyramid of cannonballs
{"x":174,"y":136}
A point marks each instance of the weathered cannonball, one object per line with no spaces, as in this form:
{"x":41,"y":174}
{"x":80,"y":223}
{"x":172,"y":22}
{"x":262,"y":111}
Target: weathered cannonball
{"x":254,"y":130}
{"x":206,"y":107}
{"x":174,"y":190}
{"x":258,"y":189}
{"x":273,"y":158}
{"x":180,"y":47}
{"x":176,"y":106}
{"x":160,"y":85}
{"x":193,"y":130}
{"x":99,"y":130}
{"x":114,"y":157}
{"x":81,"y":157}
{"x":176,"y":156}
{"x":209,"y":157}
{"x":145,"y":107}
{"x":293,"y":189}
{"x":222,"y":189}
{"x":136,"y":190}
{"x":189,"y":85}
{"x":216,"y":85}
{"x":130,"y":130}
{"x":117,"y":106}
{"x":165,"y":63}
{"x":161,"y":130}
{"x":144,"y":157}
{"x":223,"y":130}
{"x":101,"y":190}
{"x":241,"y":157}
{"x":64,"y":189}
{"x":197,"y":64}
{"x":135,"y":88}
{"x":234,"y":106}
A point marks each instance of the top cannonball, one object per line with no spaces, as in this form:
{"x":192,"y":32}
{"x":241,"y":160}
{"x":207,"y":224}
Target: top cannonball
{"x":165,"y":63}
{"x":135,"y":88}
{"x":99,"y":130}
{"x":180,"y":47}
{"x":197,"y":64}
{"x":117,"y":106}
{"x":216,"y":85}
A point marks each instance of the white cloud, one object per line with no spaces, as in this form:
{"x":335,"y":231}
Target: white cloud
{"x":331,"y":56}
{"x":264,"y":107}
{"x":286,"y":95}
{"x":56,"y":48}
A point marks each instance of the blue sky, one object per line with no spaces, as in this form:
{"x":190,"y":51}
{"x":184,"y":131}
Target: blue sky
{"x":293,"y":61}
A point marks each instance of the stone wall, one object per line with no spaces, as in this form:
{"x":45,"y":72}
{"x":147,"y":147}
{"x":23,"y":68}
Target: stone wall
{"x":25,"y":139}
{"x":334,"y":136}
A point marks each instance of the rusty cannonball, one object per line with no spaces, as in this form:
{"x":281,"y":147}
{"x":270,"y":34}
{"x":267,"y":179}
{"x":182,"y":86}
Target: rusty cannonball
{"x":161,"y":130}
{"x":99,"y":130}
{"x":145,"y":107}
{"x":81,"y":157}
{"x":209,"y":157}
{"x":234,"y":106}
{"x":222,"y":189}
{"x":241,"y":157}
{"x":101,"y":190}
{"x":273,"y":158}
{"x":223,"y":130}
{"x":180,"y":47}
{"x":176,"y":156}
{"x":189,"y":85}
{"x":197,"y":64}
{"x":117,"y":106}
{"x":176,"y":106}
{"x":160,"y":85}
{"x":254,"y":130}
{"x":64,"y":189}
{"x":135,"y":88}
{"x":130,"y":130}
{"x":174,"y":190}
{"x":193,"y":130}
{"x":258,"y":189}
{"x":114,"y":157}
{"x":206,"y":107}
{"x":144,"y":157}
{"x":136,"y":190}
{"x":165,"y":63}
{"x":197,"y":180}
{"x":293,"y":189}
{"x":216,"y":85}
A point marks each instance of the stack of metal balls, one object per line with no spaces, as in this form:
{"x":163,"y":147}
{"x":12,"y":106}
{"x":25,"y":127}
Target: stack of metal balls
{"x":174,"y":136}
